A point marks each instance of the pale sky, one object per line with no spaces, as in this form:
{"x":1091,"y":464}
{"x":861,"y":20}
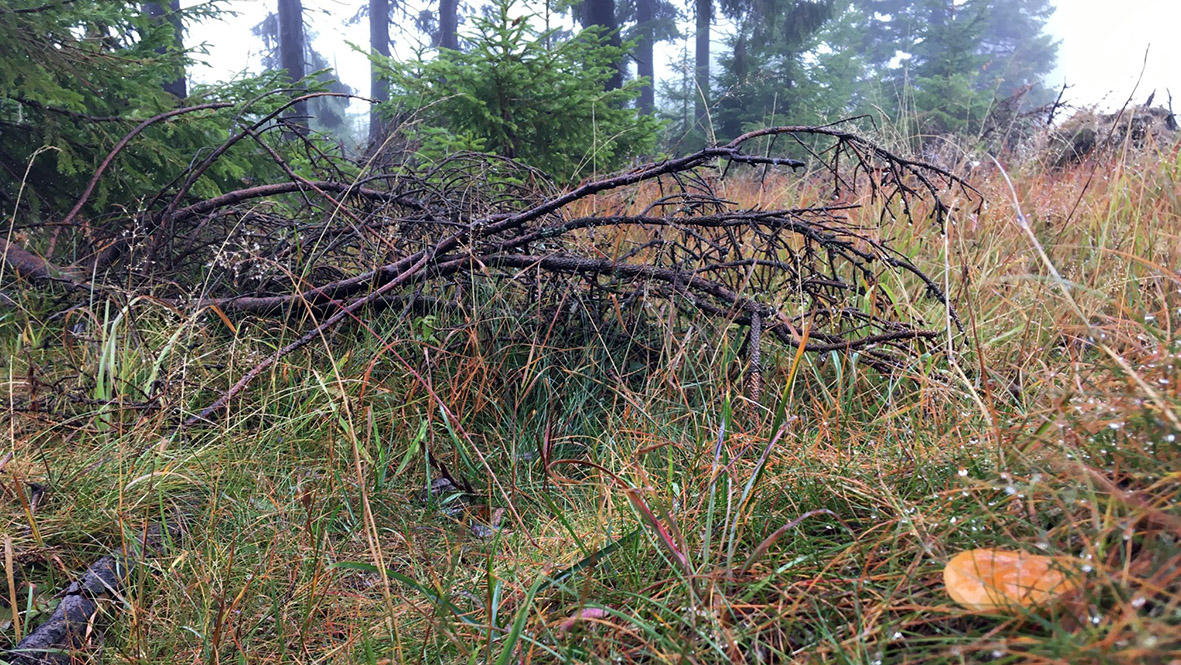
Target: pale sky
{"x":1103,"y":44}
{"x":1103,"y":47}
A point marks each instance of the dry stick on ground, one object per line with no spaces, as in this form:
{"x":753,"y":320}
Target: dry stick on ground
{"x":498,"y":225}
{"x":71,"y":624}
{"x":29,"y":266}
{"x":68,"y":628}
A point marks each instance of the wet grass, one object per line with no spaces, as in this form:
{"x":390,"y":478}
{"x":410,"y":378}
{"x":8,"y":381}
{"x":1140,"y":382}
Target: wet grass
{"x":629,"y":504}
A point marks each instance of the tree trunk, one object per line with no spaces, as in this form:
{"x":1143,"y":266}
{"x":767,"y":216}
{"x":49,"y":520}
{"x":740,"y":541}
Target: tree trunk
{"x":701,"y":94}
{"x":291,"y":50}
{"x":449,"y":24}
{"x":645,"y":66}
{"x":602,"y":13}
{"x":379,"y":43}
{"x":178,"y":87}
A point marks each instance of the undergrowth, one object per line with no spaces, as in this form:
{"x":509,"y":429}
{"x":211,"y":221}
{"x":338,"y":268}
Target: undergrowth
{"x":629,"y":501}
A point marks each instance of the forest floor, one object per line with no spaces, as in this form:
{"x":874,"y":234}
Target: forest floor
{"x":678,"y":520}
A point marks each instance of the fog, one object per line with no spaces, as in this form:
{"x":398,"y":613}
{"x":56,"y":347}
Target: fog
{"x":1105,"y":47}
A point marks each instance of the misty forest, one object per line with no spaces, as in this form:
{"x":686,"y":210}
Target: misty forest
{"x":583,"y":331}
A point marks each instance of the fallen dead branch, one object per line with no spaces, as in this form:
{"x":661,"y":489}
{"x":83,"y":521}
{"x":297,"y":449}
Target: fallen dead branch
{"x":74,"y":622}
{"x":331,"y":247}
{"x":334,"y":246}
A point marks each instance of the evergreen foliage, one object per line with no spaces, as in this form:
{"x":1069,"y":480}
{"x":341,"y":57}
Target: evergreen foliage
{"x":678,"y":97}
{"x":515,"y":94}
{"x":947,"y":61}
{"x":940,"y":64}
{"x":770,"y":76}
{"x":75,"y":78}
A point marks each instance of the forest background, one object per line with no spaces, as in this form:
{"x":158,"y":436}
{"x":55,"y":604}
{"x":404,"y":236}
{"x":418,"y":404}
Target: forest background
{"x":555,"y":362}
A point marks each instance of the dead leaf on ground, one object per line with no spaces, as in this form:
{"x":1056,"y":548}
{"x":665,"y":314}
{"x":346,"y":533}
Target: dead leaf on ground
{"x":990,"y":580}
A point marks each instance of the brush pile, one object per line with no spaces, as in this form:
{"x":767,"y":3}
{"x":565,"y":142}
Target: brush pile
{"x":426,"y":238}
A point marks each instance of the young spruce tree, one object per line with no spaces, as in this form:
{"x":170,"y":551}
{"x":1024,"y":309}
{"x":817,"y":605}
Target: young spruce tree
{"x":516,"y":94}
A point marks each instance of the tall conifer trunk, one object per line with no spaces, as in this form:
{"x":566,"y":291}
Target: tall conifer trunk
{"x":291,"y":45}
{"x":602,"y":13}
{"x":449,"y":24}
{"x":177,"y":87}
{"x":645,"y":66}
{"x":379,"y":43}
{"x":701,"y":93}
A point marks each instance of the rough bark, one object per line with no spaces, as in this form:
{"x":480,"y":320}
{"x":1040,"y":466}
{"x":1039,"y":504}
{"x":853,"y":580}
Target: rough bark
{"x":379,"y":44}
{"x":291,"y":51}
{"x":177,"y":87}
{"x":68,"y":630}
{"x":449,"y":24}
{"x":701,"y":53}
{"x":29,"y":266}
{"x":602,"y":13}
{"x":645,"y":66}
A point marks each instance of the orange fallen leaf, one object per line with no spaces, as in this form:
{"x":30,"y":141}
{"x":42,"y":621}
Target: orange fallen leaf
{"x":988,"y":580}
